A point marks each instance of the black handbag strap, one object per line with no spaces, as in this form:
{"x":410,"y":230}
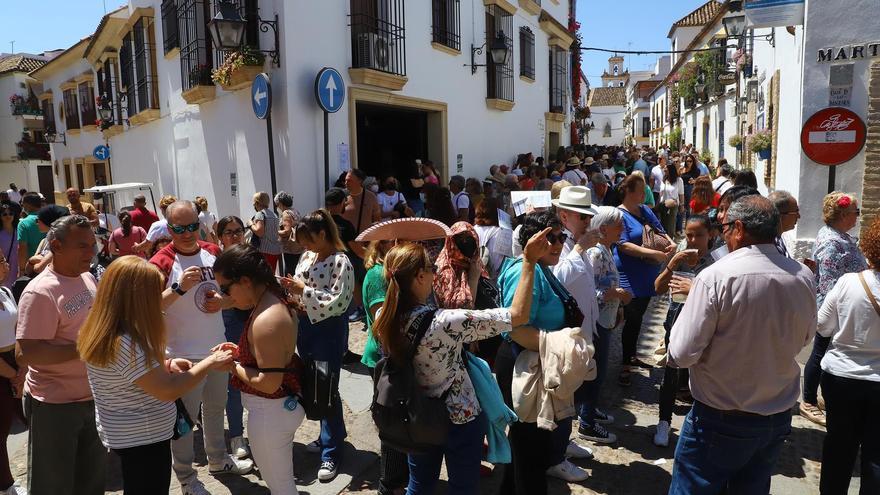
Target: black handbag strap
{"x":11,"y":243}
{"x":418,"y":329}
{"x":557,"y":286}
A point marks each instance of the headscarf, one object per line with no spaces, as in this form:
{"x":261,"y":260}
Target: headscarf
{"x":451,"y":286}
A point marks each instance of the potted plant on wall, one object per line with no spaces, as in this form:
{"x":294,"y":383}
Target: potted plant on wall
{"x":239,"y":69}
{"x":201,"y":87}
{"x":761,"y":143}
{"x":736,"y":141}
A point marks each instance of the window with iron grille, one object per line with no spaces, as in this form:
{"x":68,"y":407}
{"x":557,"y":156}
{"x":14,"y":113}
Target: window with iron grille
{"x":169,"y":25}
{"x":558,"y":79}
{"x":447,"y":23}
{"x":137,"y":64}
{"x":378,"y":37}
{"x":250,"y":12}
{"x":499,"y":77}
{"x":526,"y":53}
{"x":87,"y":103}
{"x":196,"y":60}
{"x":71,"y":111}
{"x":48,"y":116}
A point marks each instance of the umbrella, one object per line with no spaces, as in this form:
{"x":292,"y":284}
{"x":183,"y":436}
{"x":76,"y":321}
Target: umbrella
{"x":406,"y":229}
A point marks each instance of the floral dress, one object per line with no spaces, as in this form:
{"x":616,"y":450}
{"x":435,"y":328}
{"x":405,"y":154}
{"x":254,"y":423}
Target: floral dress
{"x":835,"y":253}
{"x":438,"y":363}
{"x":607,"y":279}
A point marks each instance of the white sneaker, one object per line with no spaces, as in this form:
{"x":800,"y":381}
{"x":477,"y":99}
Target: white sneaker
{"x":567,"y":471}
{"x":327,"y":471}
{"x":194,"y":487}
{"x":661,"y":437}
{"x":576,"y":451}
{"x":15,"y":489}
{"x":240,"y":447}
{"x":230,"y":465}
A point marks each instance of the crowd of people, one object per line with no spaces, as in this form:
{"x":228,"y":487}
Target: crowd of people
{"x":125,"y":334}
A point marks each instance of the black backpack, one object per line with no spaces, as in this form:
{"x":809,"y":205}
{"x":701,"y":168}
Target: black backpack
{"x":407,"y":420}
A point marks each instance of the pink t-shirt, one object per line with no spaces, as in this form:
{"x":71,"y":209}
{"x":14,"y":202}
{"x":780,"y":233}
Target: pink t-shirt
{"x":126,"y":244}
{"x":53,"y":308}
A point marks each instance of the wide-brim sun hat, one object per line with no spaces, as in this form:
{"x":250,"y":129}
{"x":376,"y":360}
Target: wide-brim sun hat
{"x":576,"y":198}
{"x":406,"y":229}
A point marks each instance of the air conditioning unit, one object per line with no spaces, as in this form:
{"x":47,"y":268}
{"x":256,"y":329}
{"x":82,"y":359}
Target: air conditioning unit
{"x":375,"y":52}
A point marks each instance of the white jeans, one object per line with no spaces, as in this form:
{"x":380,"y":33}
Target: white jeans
{"x":210,"y":393}
{"x":270,"y":429}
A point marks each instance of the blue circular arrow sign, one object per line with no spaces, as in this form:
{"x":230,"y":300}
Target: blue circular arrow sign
{"x":329,"y":89}
{"x":101,"y":152}
{"x":261,"y":96}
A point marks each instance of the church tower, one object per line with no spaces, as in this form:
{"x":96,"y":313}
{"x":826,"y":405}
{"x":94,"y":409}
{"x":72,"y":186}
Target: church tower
{"x":615,"y":76}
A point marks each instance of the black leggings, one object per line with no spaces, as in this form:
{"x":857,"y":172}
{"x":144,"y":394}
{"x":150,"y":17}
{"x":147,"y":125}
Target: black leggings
{"x":633,"y":313}
{"x":146,"y":469}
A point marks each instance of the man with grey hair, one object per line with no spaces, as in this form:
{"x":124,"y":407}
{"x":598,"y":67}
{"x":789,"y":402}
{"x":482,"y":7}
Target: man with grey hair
{"x":746,"y":318}
{"x":64,"y":450}
{"x":191,"y":303}
{"x":789,"y":214}
{"x":290,"y":250}
{"x":140,"y":215}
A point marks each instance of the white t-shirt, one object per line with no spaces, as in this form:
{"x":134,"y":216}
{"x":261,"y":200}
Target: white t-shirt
{"x":389,"y":202}
{"x":657,"y":174}
{"x":461,"y":201}
{"x":192,"y":331}
{"x":721,"y":184}
{"x":672,"y":191}
{"x":14,"y":196}
{"x":8,"y":318}
{"x":158,"y":230}
{"x":125,"y":415}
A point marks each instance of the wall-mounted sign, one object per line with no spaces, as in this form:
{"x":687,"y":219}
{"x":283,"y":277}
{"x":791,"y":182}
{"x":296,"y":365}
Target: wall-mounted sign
{"x":772,"y":13}
{"x":858,"y":51}
{"x":840,"y":84}
{"x":727,"y":78}
{"x":833,"y":136}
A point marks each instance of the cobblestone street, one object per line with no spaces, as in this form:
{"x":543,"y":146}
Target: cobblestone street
{"x":633,"y":465}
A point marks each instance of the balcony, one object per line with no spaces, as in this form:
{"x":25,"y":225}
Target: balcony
{"x":29,"y":150}
{"x":378,"y":43}
{"x":21,"y":106}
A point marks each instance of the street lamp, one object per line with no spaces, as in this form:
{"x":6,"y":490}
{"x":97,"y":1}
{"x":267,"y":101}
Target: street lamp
{"x":498,"y":50}
{"x":734,"y":25}
{"x":227,"y":27}
{"x":104,"y":109}
{"x":52,"y":137}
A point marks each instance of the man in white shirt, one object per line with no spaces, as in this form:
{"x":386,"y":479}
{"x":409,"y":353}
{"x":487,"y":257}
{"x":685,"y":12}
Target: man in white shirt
{"x":657,"y":178}
{"x":574,"y":272}
{"x":746,"y":318}
{"x":461,"y":201}
{"x":722,"y":182}
{"x":13,"y":193}
{"x":191,"y":303}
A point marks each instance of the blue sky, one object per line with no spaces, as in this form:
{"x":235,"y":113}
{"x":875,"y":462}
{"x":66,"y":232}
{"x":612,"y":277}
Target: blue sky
{"x":40,"y":25}
{"x":615,"y":24}
{"x":627,"y":25}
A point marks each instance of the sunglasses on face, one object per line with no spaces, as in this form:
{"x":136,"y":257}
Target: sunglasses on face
{"x":224,"y":288}
{"x":560,"y":238}
{"x":858,"y":212}
{"x":233,"y":233}
{"x":180,"y":229}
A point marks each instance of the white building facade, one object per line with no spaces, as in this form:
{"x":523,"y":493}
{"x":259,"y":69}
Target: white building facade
{"x":411,"y":92}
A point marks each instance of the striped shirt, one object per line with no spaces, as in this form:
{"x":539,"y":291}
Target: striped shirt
{"x":127,"y":416}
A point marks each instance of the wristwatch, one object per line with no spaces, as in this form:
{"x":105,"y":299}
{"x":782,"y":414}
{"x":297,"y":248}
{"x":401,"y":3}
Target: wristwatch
{"x":176,"y":288}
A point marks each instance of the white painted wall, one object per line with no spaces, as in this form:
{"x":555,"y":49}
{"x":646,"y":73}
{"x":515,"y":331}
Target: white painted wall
{"x":602,"y":116}
{"x":192,"y":149}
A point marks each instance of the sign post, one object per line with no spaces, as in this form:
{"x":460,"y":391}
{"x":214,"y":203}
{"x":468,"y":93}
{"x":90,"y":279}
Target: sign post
{"x":261,"y":101}
{"x":330,"y":94}
{"x":833,"y":136}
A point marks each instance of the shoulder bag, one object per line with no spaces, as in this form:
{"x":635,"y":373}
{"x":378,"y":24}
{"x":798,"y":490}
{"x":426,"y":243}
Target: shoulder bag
{"x":869,"y":293}
{"x":651,"y":238}
{"x":574,"y":317}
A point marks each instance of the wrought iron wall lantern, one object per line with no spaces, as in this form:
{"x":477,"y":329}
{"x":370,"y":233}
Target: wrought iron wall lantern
{"x":498,"y":50}
{"x":227,"y":30}
{"x":56,"y":138}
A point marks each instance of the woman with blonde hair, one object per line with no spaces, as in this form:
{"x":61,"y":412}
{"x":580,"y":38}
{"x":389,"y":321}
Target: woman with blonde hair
{"x":264,"y":229}
{"x":437,"y":361}
{"x":322,"y":287}
{"x":123,"y":345}
{"x":836,"y":253}
{"x":207,"y":221}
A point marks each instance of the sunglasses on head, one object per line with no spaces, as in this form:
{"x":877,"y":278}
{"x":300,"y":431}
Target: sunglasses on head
{"x":560,"y":238}
{"x":180,"y":229}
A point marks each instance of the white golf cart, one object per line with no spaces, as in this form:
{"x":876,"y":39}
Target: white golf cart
{"x":116,"y":198}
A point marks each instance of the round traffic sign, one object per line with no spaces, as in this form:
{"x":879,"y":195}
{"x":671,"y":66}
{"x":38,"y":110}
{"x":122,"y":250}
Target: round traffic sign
{"x":101,"y":152}
{"x":833,"y":136}
{"x":329,"y":89}
{"x":261,"y":96}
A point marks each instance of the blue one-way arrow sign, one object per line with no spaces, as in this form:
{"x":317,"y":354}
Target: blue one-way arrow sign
{"x":101,"y":152}
{"x":261,"y":96}
{"x":329,"y":90}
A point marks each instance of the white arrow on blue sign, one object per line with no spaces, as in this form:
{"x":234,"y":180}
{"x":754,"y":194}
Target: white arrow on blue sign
{"x":261,"y":96}
{"x":329,"y":90}
{"x":101,"y":152}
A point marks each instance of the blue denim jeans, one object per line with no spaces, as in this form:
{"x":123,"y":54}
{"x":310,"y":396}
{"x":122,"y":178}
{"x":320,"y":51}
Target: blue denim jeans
{"x":234,"y":321}
{"x":327,"y":340}
{"x":718,"y":451}
{"x":463,"y":452}
{"x":586,"y":397}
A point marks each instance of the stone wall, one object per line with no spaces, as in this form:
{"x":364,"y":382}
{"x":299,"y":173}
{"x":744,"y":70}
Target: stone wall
{"x":871,"y":186}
